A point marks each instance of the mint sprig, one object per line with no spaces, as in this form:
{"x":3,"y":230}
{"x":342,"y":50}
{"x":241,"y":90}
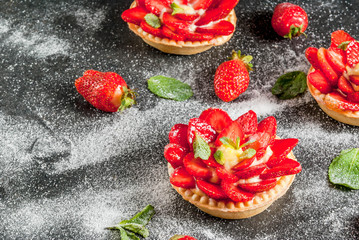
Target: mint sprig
{"x":153,"y":20}
{"x":344,"y":169}
{"x":201,"y":148}
{"x":136,"y":225}
{"x":290,"y":85}
{"x":169,"y":88}
{"x":176,"y":9}
{"x":218,"y":155}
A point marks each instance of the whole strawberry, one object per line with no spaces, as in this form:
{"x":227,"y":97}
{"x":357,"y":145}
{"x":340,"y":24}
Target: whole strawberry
{"x":106,"y":91}
{"x":289,"y":20}
{"x":232,"y":77}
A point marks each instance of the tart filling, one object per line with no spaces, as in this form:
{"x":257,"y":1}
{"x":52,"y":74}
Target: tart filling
{"x":217,"y":163}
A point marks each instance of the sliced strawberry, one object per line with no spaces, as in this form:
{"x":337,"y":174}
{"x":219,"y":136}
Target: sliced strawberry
{"x":340,"y":36}
{"x":344,"y":85}
{"x":212,"y":190}
{"x":251,"y":171}
{"x":178,"y":134}
{"x":227,"y":6}
{"x":187,"y":17}
{"x":352,"y":52}
{"x":198,"y":36}
{"x":354,"y":79}
{"x":233,"y":131}
{"x":174,"y":154}
{"x":210,"y":16}
{"x":217,"y":118}
{"x":266,"y":133}
{"x":337,"y":59}
{"x":226,"y":175}
{"x":353,"y":97}
{"x":134,"y":15}
{"x":215,"y":4}
{"x":244,"y":164}
{"x":181,"y":178}
{"x":326,"y":68}
{"x":336,"y":100}
{"x":157,"y":6}
{"x":212,"y":162}
{"x":196,"y":167}
{"x":262,"y":186}
{"x":171,"y":35}
{"x":175,"y":24}
{"x":154,"y":31}
{"x":249,"y":122}
{"x":140,"y":3}
{"x":287,"y":167}
{"x":234,"y":193}
{"x":220,"y":28}
{"x":311,"y":55}
{"x":319,"y":81}
{"x":260,"y":153}
{"x":281,"y":148}
{"x":203,"y":129}
{"x":200,"y":4}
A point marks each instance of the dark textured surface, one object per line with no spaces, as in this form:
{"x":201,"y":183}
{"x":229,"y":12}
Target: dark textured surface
{"x":68,"y":171}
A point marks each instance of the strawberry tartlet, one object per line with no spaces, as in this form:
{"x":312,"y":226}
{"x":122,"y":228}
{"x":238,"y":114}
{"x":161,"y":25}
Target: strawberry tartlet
{"x":182,"y":27}
{"x":333,"y":78}
{"x":230,"y":169}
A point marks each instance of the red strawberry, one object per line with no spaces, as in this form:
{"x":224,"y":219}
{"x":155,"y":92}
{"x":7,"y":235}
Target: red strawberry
{"x":337,"y":59}
{"x":326,"y":68}
{"x":182,"y":237}
{"x":167,"y":32}
{"x":227,"y":6}
{"x":281,"y":148}
{"x":220,"y":28}
{"x":157,"y":6}
{"x":244,"y":164}
{"x":193,"y":36}
{"x":215,"y":4}
{"x":311,"y":55}
{"x":289,"y":20}
{"x":105,"y":91}
{"x":174,"y":23}
{"x":181,"y":178}
{"x":339,"y":37}
{"x":217,"y":118}
{"x":154,"y":31}
{"x":266,"y":133}
{"x":211,"y":161}
{"x":336,"y":100}
{"x":196,"y":167}
{"x":212,"y":190}
{"x":223,"y":174}
{"x":354,"y":79}
{"x":344,"y":85}
{"x":187,"y":17}
{"x":200,"y":4}
{"x":353,"y":97}
{"x":232,"y":131}
{"x":249,"y":122}
{"x":140,"y":3}
{"x":178,"y":134}
{"x":174,"y":154}
{"x":232,"y":77}
{"x":134,"y":15}
{"x":286,"y":167}
{"x":203,"y":129}
{"x":352,"y":52}
{"x":210,"y":16}
{"x":235,"y":193}
{"x":262,"y":186}
{"x":251,"y":171}
{"x":319,"y":81}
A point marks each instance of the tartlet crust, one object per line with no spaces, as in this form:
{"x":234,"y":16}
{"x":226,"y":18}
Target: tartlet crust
{"x":235,"y":210}
{"x":344,"y":116}
{"x":181,"y":47}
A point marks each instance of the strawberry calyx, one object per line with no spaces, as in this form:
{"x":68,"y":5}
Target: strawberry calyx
{"x":128,"y":98}
{"x":244,"y":58}
{"x":295,"y":32}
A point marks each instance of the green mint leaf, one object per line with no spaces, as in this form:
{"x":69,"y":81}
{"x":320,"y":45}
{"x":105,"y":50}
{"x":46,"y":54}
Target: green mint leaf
{"x":238,"y":141}
{"x":344,"y":45}
{"x":132,"y":236}
{"x":136,"y":228}
{"x":169,"y":88}
{"x":249,"y":153}
{"x":201,"y":148}
{"x":228,"y":142}
{"x":344,"y":169}
{"x":290,"y":85}
{"x":246,"y":144}
{"x":218,"y":155}
{"x":153,"y":20}
{"x":142,"y":217}
{"x":125,"y":236}
{"x":176,"y":9}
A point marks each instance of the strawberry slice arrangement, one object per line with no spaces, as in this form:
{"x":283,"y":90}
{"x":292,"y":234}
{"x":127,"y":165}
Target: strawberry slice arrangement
{"x":336,"y":71}
{"x":229,"y":159}
{"x":182,"y":20}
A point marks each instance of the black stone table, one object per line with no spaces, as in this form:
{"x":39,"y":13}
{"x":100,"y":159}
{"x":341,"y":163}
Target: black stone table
{"x":67,"y":170}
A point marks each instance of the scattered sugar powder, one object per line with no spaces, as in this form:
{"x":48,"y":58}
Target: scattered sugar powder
{"x":90,"y":19}
{"x":4,"y":26}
